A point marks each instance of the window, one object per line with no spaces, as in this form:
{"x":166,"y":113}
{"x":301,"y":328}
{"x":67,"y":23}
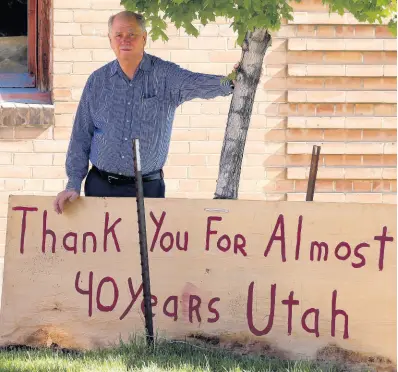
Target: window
{"x":25,"y":50}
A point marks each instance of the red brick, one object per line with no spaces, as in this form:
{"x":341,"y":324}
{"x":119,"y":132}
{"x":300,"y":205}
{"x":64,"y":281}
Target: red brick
{"x":305,"y":30}
{"x":345,"y":31}
{"x":342,"y":57}
{"x":305,"y":82}
{"x":342,"y":135}
{"x":379,"y":160}
{"x":364,"y":31}
{"x":382,"y":186}
{"x":385,"y":109}
{"x":335,"y":160}
{"x":325,"y":31}
{"x":325,"y":109}
{"x":364,"y":109}
{"x":299,"y":159}
{"x":388,"y":58}
{"x":284,"y":185}
{"x":306,"y":109}
{"x":362,"y":186}
{"x":380,"y":135}
{"x":342,"y":109}
{"x":343,"y":83}
{"x":304,"y":134}
{"x":383,"y":32}
{"x":304,"y":57}
{"x":343,"y":186}
{"x":382,"y":83}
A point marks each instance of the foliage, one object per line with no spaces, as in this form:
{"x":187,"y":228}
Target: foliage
{"x":372,"y":11}
{"x":246,"y":15}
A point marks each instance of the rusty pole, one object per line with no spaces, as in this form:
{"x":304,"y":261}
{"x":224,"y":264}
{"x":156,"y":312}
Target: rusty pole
{"x":313,"y":172}
{"x":143,"y":243}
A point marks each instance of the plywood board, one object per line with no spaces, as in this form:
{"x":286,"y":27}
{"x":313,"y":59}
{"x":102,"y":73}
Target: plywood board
{"x":298,"y":276}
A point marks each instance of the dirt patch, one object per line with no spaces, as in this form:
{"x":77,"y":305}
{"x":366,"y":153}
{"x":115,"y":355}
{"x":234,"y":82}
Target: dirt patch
{"x":355,"y":361}
{"x":46,"y":337}
{"x":343,"y":359}
{"x":239,"y":344}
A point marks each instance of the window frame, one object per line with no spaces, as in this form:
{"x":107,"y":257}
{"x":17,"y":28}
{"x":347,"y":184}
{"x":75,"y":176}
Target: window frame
{"x":33,"y":86}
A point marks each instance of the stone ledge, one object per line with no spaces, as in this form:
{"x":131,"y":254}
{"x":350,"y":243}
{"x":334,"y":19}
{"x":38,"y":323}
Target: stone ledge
{"x":24,"y":114}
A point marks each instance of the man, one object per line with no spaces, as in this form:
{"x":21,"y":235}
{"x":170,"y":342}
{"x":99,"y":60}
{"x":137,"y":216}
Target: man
{"x":134,"y":96}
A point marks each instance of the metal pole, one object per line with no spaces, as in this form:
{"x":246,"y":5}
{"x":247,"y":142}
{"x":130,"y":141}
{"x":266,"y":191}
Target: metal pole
{"x":143,"y":242}
{"x":313,"y":172}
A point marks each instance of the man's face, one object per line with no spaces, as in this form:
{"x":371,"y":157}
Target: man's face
{"x":127,"y":38}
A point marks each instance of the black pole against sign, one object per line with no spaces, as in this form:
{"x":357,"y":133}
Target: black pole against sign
{"x":143,"y":242}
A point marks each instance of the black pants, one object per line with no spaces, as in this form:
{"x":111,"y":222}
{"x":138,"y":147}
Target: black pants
{"x":95,"y":185}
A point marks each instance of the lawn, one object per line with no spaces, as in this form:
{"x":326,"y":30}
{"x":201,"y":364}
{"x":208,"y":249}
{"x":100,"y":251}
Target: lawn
{"x":135,"y":356}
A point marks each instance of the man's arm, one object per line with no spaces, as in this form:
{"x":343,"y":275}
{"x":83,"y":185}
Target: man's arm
{"x":79,"y":146}
{"x":186,"y":85}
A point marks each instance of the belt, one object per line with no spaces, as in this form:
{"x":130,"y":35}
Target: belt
{"x":116,"y":179}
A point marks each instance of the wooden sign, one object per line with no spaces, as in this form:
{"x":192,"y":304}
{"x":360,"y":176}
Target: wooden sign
{"x":295,"y":276}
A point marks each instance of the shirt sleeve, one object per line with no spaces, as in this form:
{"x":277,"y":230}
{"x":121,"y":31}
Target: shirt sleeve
{"x":77,"y":157}
{"x":186,"y":85}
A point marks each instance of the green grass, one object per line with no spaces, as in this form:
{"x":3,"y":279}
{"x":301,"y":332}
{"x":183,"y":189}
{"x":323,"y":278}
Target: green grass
{"x":134,"y":356}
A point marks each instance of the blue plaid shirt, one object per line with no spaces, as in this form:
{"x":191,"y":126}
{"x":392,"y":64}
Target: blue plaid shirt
{"x":113,"y":110}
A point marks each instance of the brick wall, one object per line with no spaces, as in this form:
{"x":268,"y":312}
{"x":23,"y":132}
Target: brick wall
{"x":326,"y":80}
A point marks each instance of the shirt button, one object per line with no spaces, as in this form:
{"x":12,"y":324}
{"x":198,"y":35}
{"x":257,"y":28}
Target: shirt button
{"x":122,"y":157}
{"x":131,"y":85}
{"x":125,"y":139}
{"x":128,"y":103}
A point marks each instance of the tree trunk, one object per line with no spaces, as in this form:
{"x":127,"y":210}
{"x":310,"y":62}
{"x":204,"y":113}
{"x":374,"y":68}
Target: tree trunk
{"x":253,"y":51}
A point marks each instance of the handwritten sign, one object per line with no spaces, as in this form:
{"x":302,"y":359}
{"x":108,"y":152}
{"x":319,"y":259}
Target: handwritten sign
{"x":298,"y":276}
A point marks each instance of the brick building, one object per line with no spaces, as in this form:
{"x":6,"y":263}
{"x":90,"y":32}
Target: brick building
{"x":326,"y":80}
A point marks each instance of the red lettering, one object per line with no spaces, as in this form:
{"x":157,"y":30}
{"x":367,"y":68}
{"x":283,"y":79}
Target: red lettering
{"x":314,"y":330}
{"x":110,"y":230}
{"x":134,"y":297}
{"x":249,"y":315}
{"x":319,"y":246}
{"x":88,"y":292}
{"x":298,"y":239}
{"x":290,"y":302}
{"x":194,"y":307}
{"x":240,"y":244}
{"x":210,"y":232}
{"x":171,"y":242}
{"x":279,"y":223}
{"x":336,"y":312}
{"x":25,"y":211}
{"x":347,"y":255}
{"x":360,"y":255}
{"x":383,"y":239}
{"x":174,"y":313}
{"x":47,"y":232}
{"x":158,"y":225}
{"x":73,"y":247}
{"x":227,"y":244}
{"x":213,"y":310}
{"x":183,"y":247}
{"x":94,"y":238}
{"x":100,"y":306}
{"x":154,"y":302}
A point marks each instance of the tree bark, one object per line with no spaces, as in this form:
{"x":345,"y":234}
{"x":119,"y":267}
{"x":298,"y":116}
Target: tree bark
{"x":253,"y":51}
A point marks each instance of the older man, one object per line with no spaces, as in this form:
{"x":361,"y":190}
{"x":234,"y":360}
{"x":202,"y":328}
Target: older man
{"x":134,"y":96}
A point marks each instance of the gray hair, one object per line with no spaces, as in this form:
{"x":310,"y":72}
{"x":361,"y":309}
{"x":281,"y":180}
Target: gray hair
{"x":127,"y":14}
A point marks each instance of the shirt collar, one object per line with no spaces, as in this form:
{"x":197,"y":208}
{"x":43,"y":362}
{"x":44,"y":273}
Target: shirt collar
{"x":144,"y":65}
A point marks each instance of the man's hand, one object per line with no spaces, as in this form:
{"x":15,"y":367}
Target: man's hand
{"x":62,"y":198}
